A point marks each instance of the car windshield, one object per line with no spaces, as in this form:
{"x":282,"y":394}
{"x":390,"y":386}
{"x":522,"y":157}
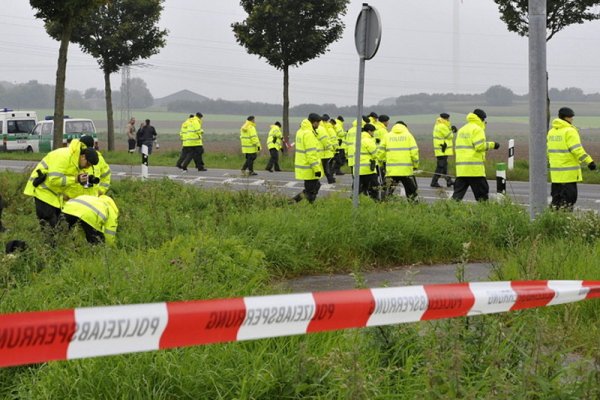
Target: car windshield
{"x":79,"y":127}
{"x":19,"y":126}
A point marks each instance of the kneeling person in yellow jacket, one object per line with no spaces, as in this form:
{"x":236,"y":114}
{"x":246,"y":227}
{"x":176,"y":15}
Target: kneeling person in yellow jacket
{"x":97,"y":215}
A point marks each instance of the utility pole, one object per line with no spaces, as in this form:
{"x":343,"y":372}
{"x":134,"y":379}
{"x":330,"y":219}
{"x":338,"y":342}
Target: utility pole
{"x":125,"y":102}
{"x":456,"y":47}
{"x":538,"y":172}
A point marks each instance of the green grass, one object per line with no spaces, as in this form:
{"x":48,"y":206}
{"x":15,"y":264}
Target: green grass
{"x":178,"y":242}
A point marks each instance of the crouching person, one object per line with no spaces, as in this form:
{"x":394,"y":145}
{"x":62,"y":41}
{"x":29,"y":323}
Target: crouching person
{"x":97,"y":216}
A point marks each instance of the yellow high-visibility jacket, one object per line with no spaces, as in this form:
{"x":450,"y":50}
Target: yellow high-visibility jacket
{"x":442,"y":133}
{"x":350,"y":142}
{"x":308,"y":156}
{"x":400,"y":152}
{"x":249,"y":138}
{"x":380,"y":131}
{"x":101,"y":213}
{"x":62,"y":167}
{"x":275,"y":138}
{"x":102,"y":171}
{"x":340,"y":133}
{"x":325,"y":139}
{"x":200,"y":130}
{"x":470,"y":148}
{"x":190,"y":132}
{"x":565,"y":152}
{"x":368,"y":153}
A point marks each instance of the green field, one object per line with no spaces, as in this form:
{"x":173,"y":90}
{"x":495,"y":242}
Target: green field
{"x":178,"y":242}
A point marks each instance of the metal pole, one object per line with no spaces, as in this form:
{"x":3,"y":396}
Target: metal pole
{"x":356,"y":168}
{"x":538,"y":173}
{"x":361,"y":92}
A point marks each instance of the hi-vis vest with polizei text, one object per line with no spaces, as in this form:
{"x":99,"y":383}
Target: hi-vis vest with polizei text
{"x":470,"y":148}
{"x":565,"y":153}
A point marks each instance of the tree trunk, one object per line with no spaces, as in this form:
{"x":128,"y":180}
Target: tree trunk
{"x":59,"y":91}
{"x":110,"y":136}
{"x":286,"y":104}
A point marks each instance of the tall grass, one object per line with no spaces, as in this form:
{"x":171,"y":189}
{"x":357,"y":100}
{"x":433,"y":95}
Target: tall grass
{"x":177,"y":242}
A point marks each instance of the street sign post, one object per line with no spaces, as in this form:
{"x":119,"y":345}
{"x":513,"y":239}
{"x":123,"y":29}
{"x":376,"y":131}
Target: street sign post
{"x":367,"y":37}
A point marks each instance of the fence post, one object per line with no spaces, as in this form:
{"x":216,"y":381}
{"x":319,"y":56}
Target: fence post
{"x":144,"y":162}
{"x":511,"y":154}
{"x":501,"y":178}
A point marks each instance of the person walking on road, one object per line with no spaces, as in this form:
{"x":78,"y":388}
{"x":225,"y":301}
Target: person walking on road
{"x":443,"y":136}
{"x":565,"y":155}
{"x":471,"y":147}
{"x":250,"y":144}
{"x":401,"y":155}
{"x":368,"y":182}
{"x":307,"y":163}
{"x":146,"y":135}
{"x":274,"y":144}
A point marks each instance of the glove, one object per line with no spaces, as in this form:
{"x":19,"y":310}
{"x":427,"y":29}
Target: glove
{"x":453,"y":129}
{"x":496,"y":145}
{"x":444,"y":146}
{"x":339,"y":142}
{"x":318,"y":174}
{"x":377,"y":141}
{"x":41,"y":177}
{"x":274,"y":140}
{"x":258,"y":148}
{"x":592,"y":166}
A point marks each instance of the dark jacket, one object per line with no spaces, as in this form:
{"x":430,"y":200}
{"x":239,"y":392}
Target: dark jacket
{"x":146,"y":133}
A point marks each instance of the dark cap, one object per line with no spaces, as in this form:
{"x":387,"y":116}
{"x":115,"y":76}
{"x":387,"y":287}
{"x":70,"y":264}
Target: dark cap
{"x":15,"y":245}
{"x":566,"y":112}
{"x":191,"y":116}
{"x":366,"y":119}
{"x":91,"y":155}
{"x":87,"y":140}
{"x":250,"y":118}
{"x":369,"y":128}
{"x":325,"y":117}
{"x":373,"y":114}
{"x":199,"y":114}
{"x":340,"y":118}
{"x":278,"y":123}
{"x":401,"y":123}
{"x":445,"y":115}
{"x":480,"y":113}
{"x":384,"y":118}
{"x":314,"y":117}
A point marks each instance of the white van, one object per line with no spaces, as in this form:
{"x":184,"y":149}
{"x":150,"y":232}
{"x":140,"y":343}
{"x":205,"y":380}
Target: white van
{"x":73,"y":128}
{"x":15,"y":130}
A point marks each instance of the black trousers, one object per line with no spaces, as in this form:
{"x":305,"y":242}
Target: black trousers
{"x":182,"y":156}
{"x":131,"y":145}
{"x":369,"y":185}
{"x":441,"y":168}
{"x":478,"y":184}
{"x":91,"y":235}
{"x":249,"y":164}
{"x":327,"y":167}
{"x":311,"y":189}
{"x":338,"y":161}
{"x":47,"y":214}
{"x":274,"y":160}
{"x":409,"y":183}
{"x":193,"y":153}
{"x":564,"y":195}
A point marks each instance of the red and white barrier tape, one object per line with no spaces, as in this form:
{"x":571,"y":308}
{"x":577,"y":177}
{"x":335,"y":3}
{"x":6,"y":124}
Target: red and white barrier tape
{"x":34,"y":337}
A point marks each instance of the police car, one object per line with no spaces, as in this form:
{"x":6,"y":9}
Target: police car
{"x":73,"y":128}
{"x":15,"y":130}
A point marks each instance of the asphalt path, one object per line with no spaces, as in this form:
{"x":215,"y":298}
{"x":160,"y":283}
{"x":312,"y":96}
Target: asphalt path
{"x":286,"y":184}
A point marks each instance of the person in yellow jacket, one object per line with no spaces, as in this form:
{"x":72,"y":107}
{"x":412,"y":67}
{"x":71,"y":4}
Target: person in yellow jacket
{"x":443,"y":137}
{"x":327,"y":137}
{"x":470,"y":149}
{"x":340,"y":153}
{"x":98,"y":217}
{"x":368,"y":183}
{"x":307,"y":162}
{"x":565,"y":156}
{"x":250,"y":144}
{"x":58,"y":170}
{"x":191,"y":141}
{"x":350,"y":142}
{"x":400,"y":153}
{"x":99,"y":175}
{"x":274,"y":144}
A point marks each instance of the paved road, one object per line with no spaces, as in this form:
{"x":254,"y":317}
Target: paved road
{"x":284,"y":182}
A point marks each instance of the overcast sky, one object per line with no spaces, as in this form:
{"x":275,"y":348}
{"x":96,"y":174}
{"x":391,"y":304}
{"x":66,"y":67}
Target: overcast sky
{"x":427,"y":46}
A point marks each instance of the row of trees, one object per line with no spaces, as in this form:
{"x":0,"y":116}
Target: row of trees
{"x":286,"y":33}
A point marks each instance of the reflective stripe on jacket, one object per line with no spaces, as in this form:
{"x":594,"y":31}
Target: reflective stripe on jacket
{"x":249,"y":138}
{"x":102,"y":171}
{"x":307,"y":160}
{"x":190,"y":132}
{"x":368,"y":154}
{"x":101,"y":213}
{"x":442,"y":133}
{"x":565,"y":152}
{"x":470,"y":148}
{"x":400,"y":152}
{"x":325,"y":139}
